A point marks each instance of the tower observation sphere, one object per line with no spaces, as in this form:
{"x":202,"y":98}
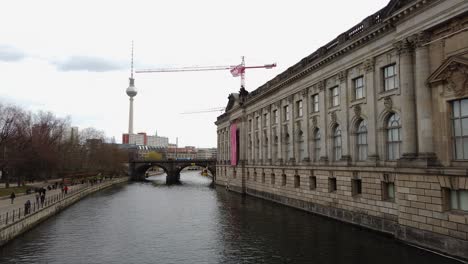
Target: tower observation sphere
{"x":131,"y":90}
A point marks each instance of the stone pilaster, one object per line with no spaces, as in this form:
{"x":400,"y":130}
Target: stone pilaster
{"x":408,"y":107}
{"x":371,"y":90}
{"x":344,"y":126}
{"x":292,"y":136}
{"x":305,"y":129}
{"x":279,"y":130}
{"x":423,"y":101}
{"x":323,"y":104}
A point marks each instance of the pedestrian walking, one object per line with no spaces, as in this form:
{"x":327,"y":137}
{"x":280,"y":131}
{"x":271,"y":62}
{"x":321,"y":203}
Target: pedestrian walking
{"x":65,"y":189}
{"x":27,"y":207}
{"x":42,"y":199}
{"x":37,"y":198}
{"x":12,"y":197}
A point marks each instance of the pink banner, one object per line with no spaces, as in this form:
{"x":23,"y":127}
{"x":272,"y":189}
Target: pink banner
{"x":233,"y":144}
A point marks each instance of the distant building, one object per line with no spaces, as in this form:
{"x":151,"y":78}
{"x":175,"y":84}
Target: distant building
{"x":142,"y":139}
{"x":71,"y":133}
{"x":187,"y":152}
{"x":206,"y":153}
{"x":156,"y":141}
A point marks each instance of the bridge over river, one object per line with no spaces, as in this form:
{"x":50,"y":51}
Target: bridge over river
{"x":172,"y":168}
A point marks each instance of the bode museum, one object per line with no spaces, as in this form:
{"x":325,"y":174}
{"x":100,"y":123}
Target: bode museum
{"x":370,"y":129}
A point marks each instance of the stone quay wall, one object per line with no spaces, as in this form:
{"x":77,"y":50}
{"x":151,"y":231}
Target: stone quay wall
{"x":16,"y":228}
{"x":416,"y":215}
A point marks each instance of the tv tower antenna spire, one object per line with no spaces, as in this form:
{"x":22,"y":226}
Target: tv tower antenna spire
{"x":131,"y":92}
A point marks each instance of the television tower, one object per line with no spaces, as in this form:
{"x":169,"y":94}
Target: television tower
{"x":132,"y":92}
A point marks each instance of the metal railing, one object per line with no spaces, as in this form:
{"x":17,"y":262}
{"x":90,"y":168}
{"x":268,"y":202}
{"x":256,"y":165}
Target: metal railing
{"x":17,"y":214}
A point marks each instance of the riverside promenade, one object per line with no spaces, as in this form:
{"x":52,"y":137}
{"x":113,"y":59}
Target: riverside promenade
{"x":14,"y":220}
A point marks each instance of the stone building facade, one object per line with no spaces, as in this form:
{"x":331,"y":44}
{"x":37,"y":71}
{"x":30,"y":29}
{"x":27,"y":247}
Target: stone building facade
{"x":370,"y":129}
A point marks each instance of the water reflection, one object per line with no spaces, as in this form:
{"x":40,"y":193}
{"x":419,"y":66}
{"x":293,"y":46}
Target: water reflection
{"x":192,"y":223}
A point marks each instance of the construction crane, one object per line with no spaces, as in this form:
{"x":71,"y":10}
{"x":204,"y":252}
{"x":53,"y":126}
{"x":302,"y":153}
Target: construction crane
{"x":236,"y":71}
{"x":215,"y":109}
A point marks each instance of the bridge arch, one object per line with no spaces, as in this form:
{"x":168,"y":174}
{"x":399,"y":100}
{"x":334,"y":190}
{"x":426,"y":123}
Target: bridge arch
{"x":172,"y":168}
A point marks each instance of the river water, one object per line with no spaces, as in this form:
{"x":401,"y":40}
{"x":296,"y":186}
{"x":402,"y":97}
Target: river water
{"x":192,"y":223}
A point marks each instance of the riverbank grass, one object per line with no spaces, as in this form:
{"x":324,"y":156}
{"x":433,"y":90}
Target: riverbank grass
{"x":18,"y":190}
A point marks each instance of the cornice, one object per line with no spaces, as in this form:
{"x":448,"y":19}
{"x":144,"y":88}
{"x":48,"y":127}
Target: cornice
{"x":372,"y":27}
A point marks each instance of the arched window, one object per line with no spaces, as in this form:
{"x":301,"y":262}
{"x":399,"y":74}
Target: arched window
{"x":393,"y":137}
{"x":317,"y":145}
{"x":337,"y":143}
{"x":362,"y":140}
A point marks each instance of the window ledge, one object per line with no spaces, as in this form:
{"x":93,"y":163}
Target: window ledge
{"x":457,"y":212}
{"x":357,"y":101}
{"x":394,"y":91}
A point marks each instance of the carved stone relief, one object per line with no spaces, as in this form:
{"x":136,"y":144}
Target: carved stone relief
{"x":333,"y":117}
{"x":457,"y":79}
{"x":342,"y":75}
{"x":321,"y":85}
{"x":357,"y":111}
{"x":388,"y":103}
{"x":368,"y":65}
{"x":314,"y":121}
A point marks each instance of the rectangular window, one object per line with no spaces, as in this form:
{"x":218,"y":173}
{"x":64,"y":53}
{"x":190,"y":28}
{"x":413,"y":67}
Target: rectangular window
{"x":283,"y":179}
{"x":460,"y":129}
{"x":315,"y":103}
{"x":250,"y":125}
{"x":248,"y":175}
{"x":356,"y":187}
{"x":276,"y":116}
{"x":286,"y":113}
{"x":389,"y":77}
{"x":263,"y":177}
{"x":265,"y":120}
{"x":299,"y":108}
{"x":312,"y":182}
{"x":459,"y":200}
{"x":257,"y":122}
{"x":331,"y":184}
{"x":358,"y":88}
{"x":255,"y":176}
{"x":272,"y":179}
{"x":388,"y":191}
{"x":335,"y":96}
{"x":297,"y":181}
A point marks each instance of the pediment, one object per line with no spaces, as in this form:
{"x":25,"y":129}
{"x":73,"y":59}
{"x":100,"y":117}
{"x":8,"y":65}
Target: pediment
{"x":453,"y":73}
{"x":448,"y":67}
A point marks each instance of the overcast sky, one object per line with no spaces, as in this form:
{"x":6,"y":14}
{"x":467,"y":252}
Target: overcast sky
{"x":73,"y":57}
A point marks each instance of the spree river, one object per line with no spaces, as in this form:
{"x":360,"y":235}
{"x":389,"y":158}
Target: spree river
{"x":193,"y":223}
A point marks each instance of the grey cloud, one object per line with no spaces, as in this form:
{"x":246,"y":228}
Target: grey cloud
{"x":91,"y":64}
{"x":8,"y":53}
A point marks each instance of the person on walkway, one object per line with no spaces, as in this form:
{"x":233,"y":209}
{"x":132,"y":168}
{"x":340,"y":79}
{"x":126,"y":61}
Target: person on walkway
{"x":65,"y":189}
{"x":42,"y":199}
{"x":27,"y":207}
{"x":12,"y":197}
{"x":37,"y":198}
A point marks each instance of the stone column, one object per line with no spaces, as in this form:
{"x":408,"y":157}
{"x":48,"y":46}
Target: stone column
{"x":371,"y":91}
{"x":423,"y":99}
{"x":408,"y":107}
{"x":305,"y":128}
